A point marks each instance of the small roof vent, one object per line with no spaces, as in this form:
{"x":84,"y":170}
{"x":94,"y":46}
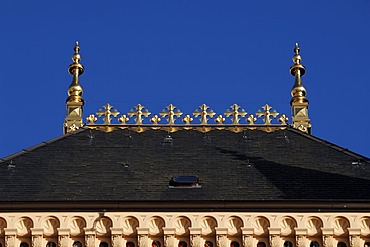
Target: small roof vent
{"x":184,"y":182}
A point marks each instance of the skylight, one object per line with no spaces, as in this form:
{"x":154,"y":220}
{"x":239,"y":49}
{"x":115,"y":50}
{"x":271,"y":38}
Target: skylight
{"x":184,"y":182}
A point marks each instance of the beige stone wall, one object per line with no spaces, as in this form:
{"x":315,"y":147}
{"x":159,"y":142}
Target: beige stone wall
{"x":117,"y":228}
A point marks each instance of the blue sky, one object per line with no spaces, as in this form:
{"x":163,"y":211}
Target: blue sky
{"x":186,"y":53}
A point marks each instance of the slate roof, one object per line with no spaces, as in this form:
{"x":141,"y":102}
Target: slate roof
{"x":122,"y":166}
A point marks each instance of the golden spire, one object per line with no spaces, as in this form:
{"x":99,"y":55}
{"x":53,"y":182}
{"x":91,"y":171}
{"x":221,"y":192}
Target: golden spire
{"x":75,"y":102}
{"x":299,"y":102}
{"x":75,"y":69}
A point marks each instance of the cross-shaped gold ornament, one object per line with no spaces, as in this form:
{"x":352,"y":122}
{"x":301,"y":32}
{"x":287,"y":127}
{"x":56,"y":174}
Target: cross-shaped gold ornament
{"x":139,"y":113}
{"x":267,"y":114}
{"x":171,"y":113}
{"x":107,"y":113}
{"x":203,"y":114}
{"x":235,"y":113}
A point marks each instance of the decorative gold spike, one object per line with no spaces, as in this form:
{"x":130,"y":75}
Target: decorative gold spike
{"x":283,"y":119}
{"x":251,"y":119}
{"x":203,"y":113}
{"x":74,"y":101}
{"x":107,"y":113}
{"x":91,"y":119}
{"x":171,"y":113}
{"x":267,"y":114}
{"x":139,"y":113}
{"x":299,"y":101}
{"x":187,"y":119}
{"x":235,"y":113}
{"x":123,"y":119}
{"x":220,"y":119}
{"x":155,"y":120}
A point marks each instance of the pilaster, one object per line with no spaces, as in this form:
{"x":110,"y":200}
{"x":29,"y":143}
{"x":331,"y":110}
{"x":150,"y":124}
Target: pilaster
{"x":169,"y":237}
{"x":116,"y":237}
{"x":301,"y":239}
{"x":90,"y":236}
{"x":327,"y":237}
{"x":142,"y":235}
{"x":274,"y":235}
{"x":63,"y":237}
{"x":221,"y":237}
{"x":247,"y":236}
{"x":37,"y":236}
{"x":10,"y":237}
{"x":354,"y":237}
{"x":195,"y":236}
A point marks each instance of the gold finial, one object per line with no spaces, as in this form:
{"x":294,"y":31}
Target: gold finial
{"x":75,"y":69}
{"x":74,"y":101}
{"x":299,"y":102}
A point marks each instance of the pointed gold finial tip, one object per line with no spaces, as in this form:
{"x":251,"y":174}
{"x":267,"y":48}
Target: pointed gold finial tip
{"x":296,"y":48}
{"x":77,"y":43}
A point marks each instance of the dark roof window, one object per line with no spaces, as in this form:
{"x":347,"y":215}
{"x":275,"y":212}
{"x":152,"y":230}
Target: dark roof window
{"x":184,"y":182}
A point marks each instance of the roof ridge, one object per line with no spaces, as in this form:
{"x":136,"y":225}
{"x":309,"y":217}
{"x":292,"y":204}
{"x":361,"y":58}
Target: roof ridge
{"x":42,"y":144}
{"x":330,"y":144}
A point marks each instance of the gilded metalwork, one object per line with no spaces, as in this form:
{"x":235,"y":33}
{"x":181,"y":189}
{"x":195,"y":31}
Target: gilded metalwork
{"x":203,"y":113}
{"x":187,"y":119}
{"x":251,"y":119}
{"x":235,"y":113}
{"x":123,"y":119}
{"x":91,"y":119}
{"x":266,"y":114}
{"x":220,"y":119}
{"x":283,"y":119}
{"x":74,"y":101}
{"x":107,"y":113}
{"x":139,"y":113}
{"x":299,"y":102}
{"x":155,"y":119}
{"x":171,"y":113}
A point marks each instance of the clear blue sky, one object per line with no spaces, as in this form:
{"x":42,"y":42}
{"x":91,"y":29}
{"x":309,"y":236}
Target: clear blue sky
{"x":186,"y":53}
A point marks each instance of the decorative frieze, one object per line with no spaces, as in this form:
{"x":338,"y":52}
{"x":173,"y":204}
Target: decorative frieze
{"x":234,"y":116}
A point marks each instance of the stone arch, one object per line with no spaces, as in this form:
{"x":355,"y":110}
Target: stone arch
{"x":129,"y":226}
{"x":314,"y":226}
{"x":3,"y":225}
{"x":182,"y":225}
{"x":287,"y":225}
{"x":208,"y":225}
{"x":156,"y":225}
{"x":365,"y":226}
{"x":234,"y":226}
{"x":340,"y":225}
{"x":261,"y":225}
{"x":103,"y":227}
{"x":24,"y":226}
{"x":77,"y":225}
{"x":50,"y":226}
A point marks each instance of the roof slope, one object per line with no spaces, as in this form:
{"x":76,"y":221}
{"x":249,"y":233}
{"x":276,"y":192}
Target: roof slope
{"x":91,"y":165}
